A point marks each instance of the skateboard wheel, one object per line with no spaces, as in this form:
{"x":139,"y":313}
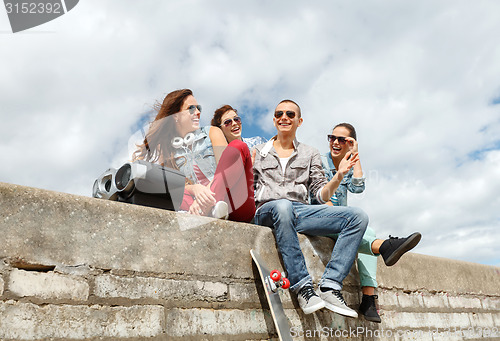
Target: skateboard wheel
{"x":286,"y":283}
{"x":275,"y":275}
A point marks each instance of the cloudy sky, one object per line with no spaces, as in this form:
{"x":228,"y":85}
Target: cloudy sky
{"x":419,"y":80}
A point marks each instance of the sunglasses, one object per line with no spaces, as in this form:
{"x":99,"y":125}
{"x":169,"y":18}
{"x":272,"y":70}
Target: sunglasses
{"x":229,"y":121}
{"x":290,"y":114}
{"x":341,"y":139}
{"x":192,"y":109}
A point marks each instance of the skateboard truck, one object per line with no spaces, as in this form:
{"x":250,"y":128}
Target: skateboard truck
{"x":278,"y":281}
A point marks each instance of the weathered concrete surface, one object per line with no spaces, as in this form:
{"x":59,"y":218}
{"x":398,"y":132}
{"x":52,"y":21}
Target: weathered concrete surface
{"x":71,"y":230}
{"x":26,"y":321}
{"x":414,"y":272}
{"x":48,"y":286}
{"x":135,"y":288}
{"x":88,"y":269}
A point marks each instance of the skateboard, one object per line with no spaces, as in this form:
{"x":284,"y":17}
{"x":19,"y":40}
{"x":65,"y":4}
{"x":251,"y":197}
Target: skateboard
{"x":272,"y":281}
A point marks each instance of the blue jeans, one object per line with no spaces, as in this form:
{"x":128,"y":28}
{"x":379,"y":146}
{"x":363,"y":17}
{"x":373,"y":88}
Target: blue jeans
{"x":367,"y":261}
{"x":286,"y":218}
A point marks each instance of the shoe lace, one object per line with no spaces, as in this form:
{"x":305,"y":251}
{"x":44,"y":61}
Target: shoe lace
{"x":307,"y":292}
{"x":391,"y":239}
{"x":338,"y":294}
{"x":370,"y":298}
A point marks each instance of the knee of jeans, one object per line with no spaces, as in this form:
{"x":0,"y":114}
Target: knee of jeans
{"x":284,"y":209}
{"x":362,"y":217}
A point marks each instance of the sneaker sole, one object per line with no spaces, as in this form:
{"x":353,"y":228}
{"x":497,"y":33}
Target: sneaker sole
{"x":314,"y":308}
{"x":412,"y":241}
{"x":342,"y":311}
{"x":373,"y":319}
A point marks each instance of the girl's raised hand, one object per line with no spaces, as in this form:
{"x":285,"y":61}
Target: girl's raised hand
{"x":347,"y":163}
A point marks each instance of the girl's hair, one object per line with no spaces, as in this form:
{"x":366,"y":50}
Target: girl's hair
{"x":348,"y":126}
{"x":216,"y":120}
{"x":157,"y":142}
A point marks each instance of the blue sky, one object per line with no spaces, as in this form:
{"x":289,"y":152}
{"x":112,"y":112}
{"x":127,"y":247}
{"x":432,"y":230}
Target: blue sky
{"x":251,"y":128}
{"x":420,"y":81}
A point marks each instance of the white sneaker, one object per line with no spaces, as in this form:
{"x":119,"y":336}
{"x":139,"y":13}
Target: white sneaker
{"x":220,"y":210}
{"x":334,"y":301}
{"x":309,"y":300}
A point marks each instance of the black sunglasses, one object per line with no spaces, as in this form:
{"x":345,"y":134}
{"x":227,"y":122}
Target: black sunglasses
{"x":229,"y":121}
{"x":332,"y":138}
{"x":192,"y":109}
{"x":290,"y":114}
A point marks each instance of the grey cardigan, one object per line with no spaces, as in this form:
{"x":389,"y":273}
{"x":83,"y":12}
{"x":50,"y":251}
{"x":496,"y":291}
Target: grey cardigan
{"x":303,"y":174}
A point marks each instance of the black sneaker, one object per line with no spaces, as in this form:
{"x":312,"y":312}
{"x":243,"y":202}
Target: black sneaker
{"x":368,"y":309}
{"x":393,"y":248}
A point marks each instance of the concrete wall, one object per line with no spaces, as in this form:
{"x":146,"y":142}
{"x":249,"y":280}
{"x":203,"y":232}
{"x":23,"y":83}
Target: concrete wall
{"x":79,"y":268}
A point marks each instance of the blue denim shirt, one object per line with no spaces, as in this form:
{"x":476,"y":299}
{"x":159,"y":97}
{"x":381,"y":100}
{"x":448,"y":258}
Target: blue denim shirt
{"x":349,"y":183}
{"x":201,"y":153}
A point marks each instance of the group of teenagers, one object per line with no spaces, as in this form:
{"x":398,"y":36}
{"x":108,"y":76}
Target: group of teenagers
{"x":282,"y":184}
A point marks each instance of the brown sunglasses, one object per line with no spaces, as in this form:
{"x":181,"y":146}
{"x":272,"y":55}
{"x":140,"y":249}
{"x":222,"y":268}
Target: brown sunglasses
{"x":289,"y":113}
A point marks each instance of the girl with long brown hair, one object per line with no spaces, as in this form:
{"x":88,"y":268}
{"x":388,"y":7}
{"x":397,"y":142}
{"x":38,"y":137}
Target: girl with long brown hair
{"x":219,"y":178}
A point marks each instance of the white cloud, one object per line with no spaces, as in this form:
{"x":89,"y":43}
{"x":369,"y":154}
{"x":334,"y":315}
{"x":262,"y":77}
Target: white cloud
{"x":416,"y":79}
{"x":457,"y":215}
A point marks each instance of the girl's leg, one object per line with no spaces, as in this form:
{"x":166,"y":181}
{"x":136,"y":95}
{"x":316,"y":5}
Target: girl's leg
{"x":367,"y":268}
{"x":233,"y":181}
{"x":367,"y":261}
{"x":368,"y":291}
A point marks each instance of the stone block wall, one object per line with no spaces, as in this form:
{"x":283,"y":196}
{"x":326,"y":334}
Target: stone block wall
{"x":79,"y":268}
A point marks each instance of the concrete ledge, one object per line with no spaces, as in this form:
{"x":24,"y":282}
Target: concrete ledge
{"x":83,"y":268}
{"x":414,"y":272}
{"x":64,"y":229}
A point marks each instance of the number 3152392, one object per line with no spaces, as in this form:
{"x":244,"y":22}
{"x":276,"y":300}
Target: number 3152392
{"x":33,"y":8}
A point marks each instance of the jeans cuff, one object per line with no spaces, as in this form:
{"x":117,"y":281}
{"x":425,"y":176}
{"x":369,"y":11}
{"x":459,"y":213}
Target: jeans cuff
{"x":296,"y":287}
{"x":328,"y":283}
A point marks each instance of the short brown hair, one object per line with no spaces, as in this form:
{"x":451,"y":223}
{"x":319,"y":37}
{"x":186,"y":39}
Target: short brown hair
{"x":216,"y":120}
{"x":290,"y":101}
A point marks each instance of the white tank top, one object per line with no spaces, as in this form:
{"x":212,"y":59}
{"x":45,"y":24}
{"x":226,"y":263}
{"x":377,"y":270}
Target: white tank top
{"x":284,"y":161}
